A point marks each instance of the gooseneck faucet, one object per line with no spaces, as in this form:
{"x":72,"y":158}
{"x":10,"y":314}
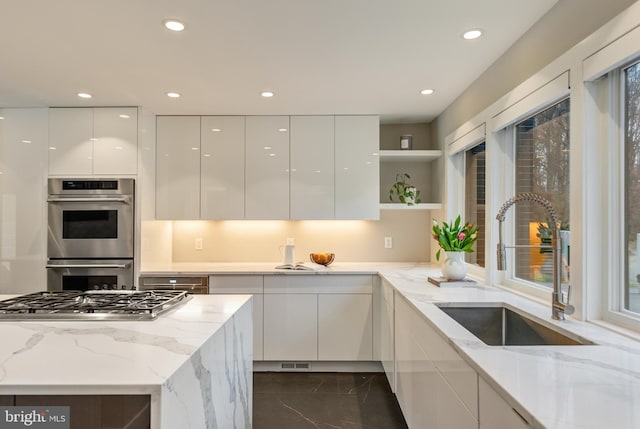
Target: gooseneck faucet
{"x":559,"y":307}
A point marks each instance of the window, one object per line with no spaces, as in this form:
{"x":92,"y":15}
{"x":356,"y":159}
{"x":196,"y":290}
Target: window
{"x":632,"y":187}
{"x":542,"y":167}
{"x":475,"y":199}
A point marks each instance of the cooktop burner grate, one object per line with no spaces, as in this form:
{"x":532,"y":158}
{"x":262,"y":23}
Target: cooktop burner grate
{"x":76,"y":305}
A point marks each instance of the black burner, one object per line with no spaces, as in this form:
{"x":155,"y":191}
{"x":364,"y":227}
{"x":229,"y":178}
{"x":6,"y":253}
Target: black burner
{"x":75,"y":305}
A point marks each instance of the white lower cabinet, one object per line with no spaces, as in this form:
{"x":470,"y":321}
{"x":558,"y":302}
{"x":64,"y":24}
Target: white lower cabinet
{"x":387,"y":352}
{"x":250,"y":285}
{"x":434,"y":387}
{"x":495,"y":412}
{"x":291,"y":326}
{"x":318,"y":317}
{"x":345,"y":327}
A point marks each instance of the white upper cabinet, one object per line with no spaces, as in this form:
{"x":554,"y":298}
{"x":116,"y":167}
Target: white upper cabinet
{"x":115,"y":148}
{"x":312,"y":167}
{"x":222,"y":162}
{"x":70,"y":141}
{"x":357,"y":167}
{"x":93,"y":141}
{"x":23,"y":192}
{"x":178,"y":167}
{"x":267,"y":167}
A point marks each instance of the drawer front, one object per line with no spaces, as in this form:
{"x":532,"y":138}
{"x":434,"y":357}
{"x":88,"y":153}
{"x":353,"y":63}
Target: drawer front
{"x":319,"y":284}
{"x":221,"y":284}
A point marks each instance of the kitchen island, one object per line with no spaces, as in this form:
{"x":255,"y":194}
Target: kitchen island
{"x":193,"y":363}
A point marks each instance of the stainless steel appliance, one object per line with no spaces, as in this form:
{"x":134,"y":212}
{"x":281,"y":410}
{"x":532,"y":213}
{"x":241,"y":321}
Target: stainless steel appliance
{"x":194,"y":285}
{"x":91,"y":234}
{"x":90,"y":274}
{"x":76,"y":305}
{"x":90,"y":218}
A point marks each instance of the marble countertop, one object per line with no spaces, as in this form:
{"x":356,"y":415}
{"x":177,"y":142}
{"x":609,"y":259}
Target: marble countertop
{"x":265,"y":268}
{"x":117,"y":357}
{"x":568,"y":387}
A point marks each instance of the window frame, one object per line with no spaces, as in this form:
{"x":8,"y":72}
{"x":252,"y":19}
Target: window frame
{"x":612,"y":306}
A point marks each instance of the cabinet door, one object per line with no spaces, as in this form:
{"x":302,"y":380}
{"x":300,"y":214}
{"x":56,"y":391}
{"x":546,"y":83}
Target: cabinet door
{"x":357,"y":167}
{"x":70,"y":141}
{"x":115,"y":140}
{"x":291,"y":327}
{"x":387,"y":356}
{"x":178,"y":167}
{"x":312,"y":162}
{"x":240,"y":284}
{"x":23,"y":215}
{"x":345,"y":327}
{"x":267,"y":167}
{"x":222,"y":178}
{"x":495,"y":412}
{"x":424,"y":393}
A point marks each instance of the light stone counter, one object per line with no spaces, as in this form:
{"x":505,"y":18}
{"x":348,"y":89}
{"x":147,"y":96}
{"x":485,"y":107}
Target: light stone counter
{"x":195,"y":361}
{"x":571,"y":387}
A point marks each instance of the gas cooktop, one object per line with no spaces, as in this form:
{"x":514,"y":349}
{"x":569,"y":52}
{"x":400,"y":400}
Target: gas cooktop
{"x":98,"y":305}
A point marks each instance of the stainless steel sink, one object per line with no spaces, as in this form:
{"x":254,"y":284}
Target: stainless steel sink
{"x":497,"y":325}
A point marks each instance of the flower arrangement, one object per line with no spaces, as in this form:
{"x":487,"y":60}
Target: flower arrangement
{"x":454,"y":236}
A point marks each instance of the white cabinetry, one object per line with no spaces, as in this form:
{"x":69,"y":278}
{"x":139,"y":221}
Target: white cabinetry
{"x":93,"y":141}
{"x":23,"y":192}
{"x":244,"y":284}
{"x":178,"y":167}
{"x":495,"y":412}
{"x":387,"y":344}
{"x":312,"y":167}
{"x":267,"y":167}
{"x":222,"y":174}
{"x":434,"y":386}
{"x":357,"y":167}
{"x":290,"y":326}
{"x":345,"y":319}
{"x":311,"y":317}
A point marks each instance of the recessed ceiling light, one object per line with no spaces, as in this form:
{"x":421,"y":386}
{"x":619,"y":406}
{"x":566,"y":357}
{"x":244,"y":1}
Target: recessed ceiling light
{"x":472,"y":34}
{"x":173,"y":94}
{"x":426,"y":91}
{"x":84,"y":95}
{"x":173,"y":24}
{"x":266,"y":94}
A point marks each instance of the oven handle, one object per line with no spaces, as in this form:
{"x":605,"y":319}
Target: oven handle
{"x":121,"y":266}
{"x":89,"y":200}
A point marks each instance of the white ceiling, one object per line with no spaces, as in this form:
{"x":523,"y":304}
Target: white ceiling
{"x":318,"y":56}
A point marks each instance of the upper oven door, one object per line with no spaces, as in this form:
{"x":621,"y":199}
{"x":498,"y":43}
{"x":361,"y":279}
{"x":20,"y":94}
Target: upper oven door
{"x":90,"y":226}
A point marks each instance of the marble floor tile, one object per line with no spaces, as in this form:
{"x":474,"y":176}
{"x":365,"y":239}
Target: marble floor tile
{"x":324,"y":401}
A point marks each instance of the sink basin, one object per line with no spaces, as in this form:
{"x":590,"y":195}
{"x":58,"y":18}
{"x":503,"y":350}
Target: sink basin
{"x":497,"y":325}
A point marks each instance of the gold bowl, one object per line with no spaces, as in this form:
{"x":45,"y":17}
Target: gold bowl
{"x":322,"y":258}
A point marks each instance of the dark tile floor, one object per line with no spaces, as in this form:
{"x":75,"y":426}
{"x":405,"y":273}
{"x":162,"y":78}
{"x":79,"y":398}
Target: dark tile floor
{"x":324,"y":401}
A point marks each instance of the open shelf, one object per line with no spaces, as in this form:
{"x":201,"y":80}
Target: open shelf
{"x":409,"y":155}
{"x":421,"y":206}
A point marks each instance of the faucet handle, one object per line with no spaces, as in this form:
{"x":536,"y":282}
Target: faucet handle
{"x":568,"y":293}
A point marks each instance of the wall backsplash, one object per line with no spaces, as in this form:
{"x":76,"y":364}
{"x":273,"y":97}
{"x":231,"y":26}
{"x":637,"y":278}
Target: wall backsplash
{"x":259,"y":241}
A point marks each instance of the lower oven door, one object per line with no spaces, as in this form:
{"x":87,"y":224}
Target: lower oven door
{"x":94,"y":274}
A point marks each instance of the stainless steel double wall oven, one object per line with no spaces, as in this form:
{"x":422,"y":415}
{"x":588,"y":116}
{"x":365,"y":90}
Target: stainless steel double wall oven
{"x":91,"y":234}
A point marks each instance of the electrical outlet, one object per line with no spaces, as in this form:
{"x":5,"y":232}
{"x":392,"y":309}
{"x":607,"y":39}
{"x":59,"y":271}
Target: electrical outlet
{"x":199,"y":244}
{"x":388,"y":243}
